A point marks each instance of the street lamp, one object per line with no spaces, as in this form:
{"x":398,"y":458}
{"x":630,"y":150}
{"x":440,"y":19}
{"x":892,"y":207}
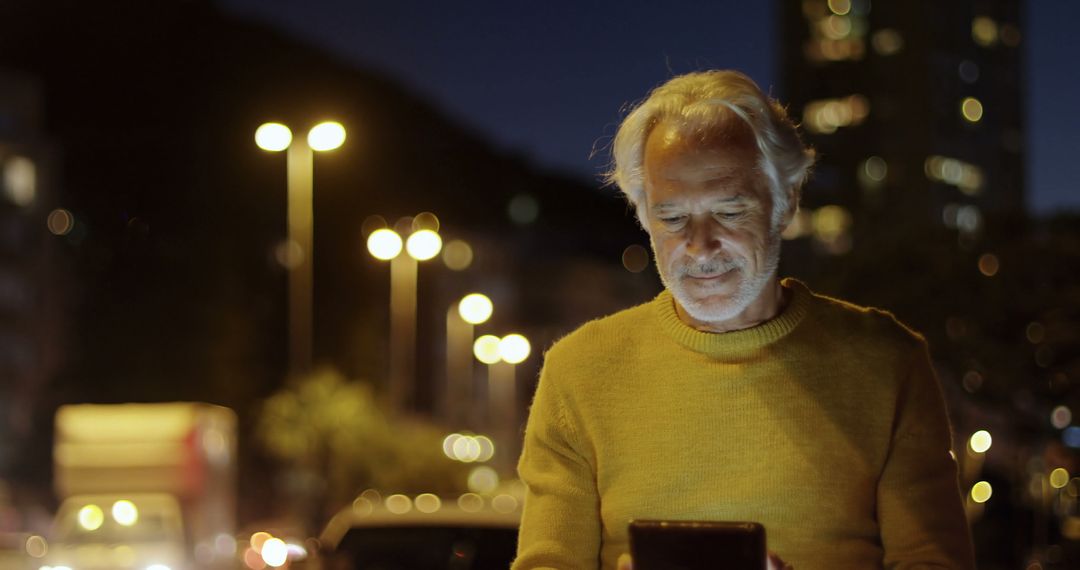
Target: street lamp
{"x":502,"y":355}
{"x":461,"y":318}
{"x":276,"y":137}
{"x":386,"y":244}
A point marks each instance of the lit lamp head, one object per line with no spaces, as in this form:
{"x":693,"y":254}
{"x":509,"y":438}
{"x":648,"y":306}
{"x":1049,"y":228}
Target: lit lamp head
{"x":384,"y":244}
{"x":423,"y":245}
{"x":326,"y":136}
{"x":475,"y":308}
{"x":273,"y":137}
{"x":486,"y":349}
{"x":514,"y":348}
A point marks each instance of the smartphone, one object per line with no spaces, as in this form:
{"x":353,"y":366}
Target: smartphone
{"x":697,"y":545}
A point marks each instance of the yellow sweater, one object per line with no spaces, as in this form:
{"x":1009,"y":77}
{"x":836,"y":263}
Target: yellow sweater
{"x":825,"y":424}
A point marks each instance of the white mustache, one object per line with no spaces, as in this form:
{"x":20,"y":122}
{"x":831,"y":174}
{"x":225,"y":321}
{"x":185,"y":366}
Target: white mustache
{"x":710,"y":268}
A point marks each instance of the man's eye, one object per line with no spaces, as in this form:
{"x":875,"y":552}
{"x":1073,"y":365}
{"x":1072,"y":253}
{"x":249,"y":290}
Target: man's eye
{"x":729,"y":215}
{"x":672,"y":219}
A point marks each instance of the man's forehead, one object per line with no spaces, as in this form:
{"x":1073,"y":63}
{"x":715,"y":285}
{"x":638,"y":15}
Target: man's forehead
{"x":678,"y":200}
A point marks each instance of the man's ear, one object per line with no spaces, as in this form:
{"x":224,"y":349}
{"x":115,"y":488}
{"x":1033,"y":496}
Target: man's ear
{"x":793,"y":196}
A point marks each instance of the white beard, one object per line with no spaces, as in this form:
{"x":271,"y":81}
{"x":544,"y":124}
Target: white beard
{"x":748,"y":290}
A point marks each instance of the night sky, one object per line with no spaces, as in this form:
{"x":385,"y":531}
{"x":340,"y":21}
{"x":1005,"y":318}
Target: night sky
{"x":548,"y":79}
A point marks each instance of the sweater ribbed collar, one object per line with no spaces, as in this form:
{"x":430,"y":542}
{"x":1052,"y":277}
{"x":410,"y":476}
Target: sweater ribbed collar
{"x":719,"y":345}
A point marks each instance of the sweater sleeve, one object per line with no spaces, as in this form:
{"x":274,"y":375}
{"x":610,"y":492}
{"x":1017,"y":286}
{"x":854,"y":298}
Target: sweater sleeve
{"x":560,"y":526}
{"x":920,"y":510}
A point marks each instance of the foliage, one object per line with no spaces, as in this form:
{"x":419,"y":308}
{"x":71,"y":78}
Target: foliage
{"x":334,"y":428}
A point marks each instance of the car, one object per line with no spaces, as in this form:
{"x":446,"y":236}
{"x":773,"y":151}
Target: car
{"x":117,"y":531}
{"x":425,"y":532}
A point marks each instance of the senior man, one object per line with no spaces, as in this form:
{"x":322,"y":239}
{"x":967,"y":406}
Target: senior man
{"x":734,"y":395}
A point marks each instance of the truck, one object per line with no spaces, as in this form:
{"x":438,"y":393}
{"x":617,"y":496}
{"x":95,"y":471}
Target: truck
{"x":144,"y":486}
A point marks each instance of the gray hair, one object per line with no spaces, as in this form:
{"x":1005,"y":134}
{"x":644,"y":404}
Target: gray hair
{"x":704,"y":100}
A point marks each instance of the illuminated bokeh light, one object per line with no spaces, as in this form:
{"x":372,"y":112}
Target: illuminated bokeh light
{"x":91,"y":517}
{"x":274,"y":552}
{"x":984,"y":31}
{"x":326,"y":136}
{"x":487,"y":448}
{"x":972,"y":381}
{"x":875,"y":168}
{"x":470,"y":502}
{"x":273,"y":137}
{"x":427,"y":503}
{"x":887,"y":42}
{"x":826,"y":115}
{"x":981,"y":492}
{"x":258,"y":539}
{"x":483,"y":480}
{"x":362,"y":507}
{"x":36,"y":546}
{"x":457,"y":255}
{"x":831,"y":225}
{"x":486,"y":349}
{"x":253,"y":560}
{"x":965,"y":176}
{"x":1035,"y":332}
{"x":128,"y":560}
{"x":504,"y":503}
{"x":523,"y":209}
{"x":426,"y":221}
{"x":514,"y":348}
{"x":475,"y":308}
{"x":972,"y":109}
{"x":989,"y":264}
{"x":423,"y":245}
{"x":448,"y":444}
{"x":466,"y":449}
{"x":289,"y":254}
{"x":980,"y":441}
{"x":225,"y":545}
{"x":60,"y":222}
{"x":384,"y":244}
{"x":20,"y":180}
{"x":125,"y":513}
{"x":840,"y":7}
{"x":1061,"y":417}
{"x":398,"y":504}
{"x":635,"y":258}
{"x":1059,"y":478}
{"x":836,"y":27}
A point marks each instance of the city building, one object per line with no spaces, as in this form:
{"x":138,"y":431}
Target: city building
{"x":915,"y":110}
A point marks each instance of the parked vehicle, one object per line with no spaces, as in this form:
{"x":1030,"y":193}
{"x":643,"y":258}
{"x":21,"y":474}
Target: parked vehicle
{"x":139,"y":531}
{"x":422,"y":533}
{"x":174,"y":463}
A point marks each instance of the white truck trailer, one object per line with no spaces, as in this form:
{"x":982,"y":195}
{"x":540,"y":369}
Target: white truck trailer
{"x":144,"y":486}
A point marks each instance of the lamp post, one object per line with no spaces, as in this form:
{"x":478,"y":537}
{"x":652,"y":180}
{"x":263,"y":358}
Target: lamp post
{"x":461,"y":318}
{"x":421,"y":245}
{"x":502,"y":357}
{"x":276,"y":137}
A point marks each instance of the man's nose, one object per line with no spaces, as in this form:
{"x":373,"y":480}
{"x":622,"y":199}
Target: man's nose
{"x":703,"y":240}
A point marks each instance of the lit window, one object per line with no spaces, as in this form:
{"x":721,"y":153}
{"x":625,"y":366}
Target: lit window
{"x":887,"y":42}
{"x":826,"y":115}
{"x":972,"y":109}
{"x":984,"y":31}
{"x":967,"y":177}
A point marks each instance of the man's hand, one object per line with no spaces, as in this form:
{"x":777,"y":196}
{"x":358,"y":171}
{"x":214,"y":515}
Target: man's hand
{"x":773,"y":563}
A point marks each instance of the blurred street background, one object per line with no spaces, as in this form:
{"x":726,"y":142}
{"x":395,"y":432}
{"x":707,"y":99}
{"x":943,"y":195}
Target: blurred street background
{"x":326,"y":243}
